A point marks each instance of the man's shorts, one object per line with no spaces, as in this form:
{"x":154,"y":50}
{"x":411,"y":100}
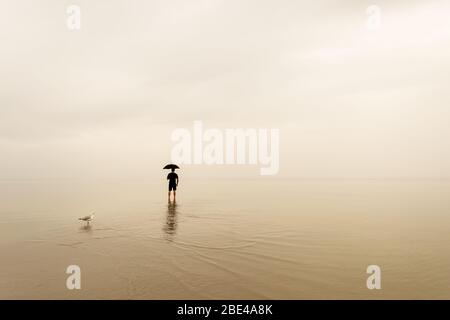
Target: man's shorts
{"x":172,"y":187}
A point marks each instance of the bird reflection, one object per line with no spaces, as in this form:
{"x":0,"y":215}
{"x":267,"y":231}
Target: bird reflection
{"x":86,"y":228}
{"x":170,"y":227}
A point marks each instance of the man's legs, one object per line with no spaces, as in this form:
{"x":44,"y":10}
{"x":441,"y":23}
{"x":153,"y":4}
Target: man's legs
{"x":174,"y":195}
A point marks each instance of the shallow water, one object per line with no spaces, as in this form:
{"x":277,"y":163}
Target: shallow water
{"x":249,"y":239}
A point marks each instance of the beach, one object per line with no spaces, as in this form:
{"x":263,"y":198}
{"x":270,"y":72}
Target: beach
{"x":225,"y":239}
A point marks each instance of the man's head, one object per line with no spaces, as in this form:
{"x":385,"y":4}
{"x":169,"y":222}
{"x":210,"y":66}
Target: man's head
{"x":173,"y":169}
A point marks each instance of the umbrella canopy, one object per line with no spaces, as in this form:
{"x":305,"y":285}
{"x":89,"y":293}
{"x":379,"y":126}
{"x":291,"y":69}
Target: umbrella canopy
{"x":171,"y":166}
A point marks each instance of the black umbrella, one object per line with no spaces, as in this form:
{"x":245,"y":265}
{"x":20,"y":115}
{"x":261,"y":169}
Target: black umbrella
{"x":171,"y":166}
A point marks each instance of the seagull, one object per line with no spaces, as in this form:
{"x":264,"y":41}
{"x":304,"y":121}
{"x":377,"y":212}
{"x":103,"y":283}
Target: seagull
{"x":87,"y":218}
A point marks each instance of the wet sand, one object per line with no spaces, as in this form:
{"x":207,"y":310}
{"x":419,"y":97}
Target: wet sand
{"x":249,"y":239}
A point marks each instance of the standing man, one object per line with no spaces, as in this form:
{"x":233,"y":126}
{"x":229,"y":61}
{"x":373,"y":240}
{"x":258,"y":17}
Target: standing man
{"x":173,"y":183}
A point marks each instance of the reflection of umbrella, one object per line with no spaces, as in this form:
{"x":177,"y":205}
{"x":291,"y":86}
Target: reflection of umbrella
{"x":171,"y":166}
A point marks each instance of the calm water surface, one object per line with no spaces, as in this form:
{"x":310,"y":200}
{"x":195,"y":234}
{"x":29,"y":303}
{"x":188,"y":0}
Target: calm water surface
{"x":246,"y":239}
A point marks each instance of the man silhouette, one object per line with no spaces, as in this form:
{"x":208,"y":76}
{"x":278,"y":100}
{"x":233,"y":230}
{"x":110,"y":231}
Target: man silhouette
{"x":173,"y":183}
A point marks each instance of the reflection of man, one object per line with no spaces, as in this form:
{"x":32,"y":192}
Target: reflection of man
{"x":173,"y":183}
{"x":170,"y":227}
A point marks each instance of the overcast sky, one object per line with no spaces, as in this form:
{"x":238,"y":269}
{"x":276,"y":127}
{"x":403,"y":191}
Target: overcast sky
{"x":350,"y":102}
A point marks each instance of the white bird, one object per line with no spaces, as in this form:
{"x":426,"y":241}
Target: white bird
{"x":87,"y":218}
